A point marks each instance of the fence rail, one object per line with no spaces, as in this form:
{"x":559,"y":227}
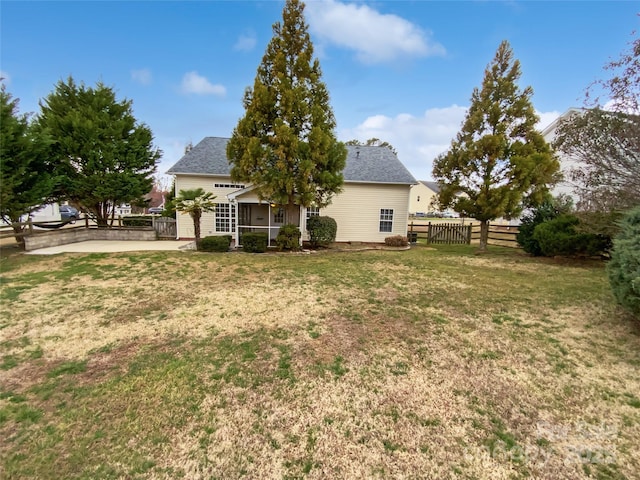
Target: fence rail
{"x":165,"y":227}
{"x":463,"y":233}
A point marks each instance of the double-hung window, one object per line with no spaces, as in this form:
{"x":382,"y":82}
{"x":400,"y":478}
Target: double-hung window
{"x":313,"y":212}
{"x":225,"y":218}
{"x":278,"y":215}
{"x":386,"y":219}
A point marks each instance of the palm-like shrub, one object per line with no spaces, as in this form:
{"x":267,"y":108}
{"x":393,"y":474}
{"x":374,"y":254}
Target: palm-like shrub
{"x":195,"y":202}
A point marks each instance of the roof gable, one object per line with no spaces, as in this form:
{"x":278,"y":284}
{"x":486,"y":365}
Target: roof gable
{"x":208,"y":157}
{"x":366,"y":164}
{"x":433,"y":186}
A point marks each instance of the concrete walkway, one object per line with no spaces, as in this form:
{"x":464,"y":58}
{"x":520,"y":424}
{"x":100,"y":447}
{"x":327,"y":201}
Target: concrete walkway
{"x":109,"y":246}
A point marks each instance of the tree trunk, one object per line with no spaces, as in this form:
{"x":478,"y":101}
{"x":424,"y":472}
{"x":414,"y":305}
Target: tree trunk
{"x":196,"y":225}
{"x":18,"y":230}
{"x":484,"y":235}
{"x":102,"y":222}
{"x":291,"y":214}
{"x":101,"y":218}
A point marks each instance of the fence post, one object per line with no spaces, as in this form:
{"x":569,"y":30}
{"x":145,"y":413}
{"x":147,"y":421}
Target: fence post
{"x":428,"y":233}
{"x":30,"y":224}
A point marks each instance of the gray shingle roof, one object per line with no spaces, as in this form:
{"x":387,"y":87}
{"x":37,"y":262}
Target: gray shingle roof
{"x":432,"y":185}
{"x":364,"y":164}
{"x":209,"y":157}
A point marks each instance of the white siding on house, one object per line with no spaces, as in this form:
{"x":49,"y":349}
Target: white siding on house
{"x":207,"y":222}
{"x":567,"y":164}
{"x":421,"y":197}
{"x":357,"y":211}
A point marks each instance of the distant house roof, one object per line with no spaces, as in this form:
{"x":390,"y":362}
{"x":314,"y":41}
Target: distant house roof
{"x":366,"y":164}
{"x":432,"y":185}
{"x":550,"y":129}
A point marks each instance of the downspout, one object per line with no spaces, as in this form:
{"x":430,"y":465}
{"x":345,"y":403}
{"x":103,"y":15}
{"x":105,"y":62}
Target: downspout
{"x":408,"y":208}
{"x":269,"y":226}
{"x":303,"y":223}
{"x":236,"y":233}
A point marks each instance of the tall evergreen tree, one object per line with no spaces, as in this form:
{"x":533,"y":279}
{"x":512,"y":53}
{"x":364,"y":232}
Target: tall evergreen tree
{"x":26,"y":179}
{"x":285,"y":144}
{"x":498,"y":159}
{"x":103,"y":156}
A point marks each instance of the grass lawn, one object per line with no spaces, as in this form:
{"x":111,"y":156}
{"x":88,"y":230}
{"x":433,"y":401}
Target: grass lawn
{"x":427,"y":363}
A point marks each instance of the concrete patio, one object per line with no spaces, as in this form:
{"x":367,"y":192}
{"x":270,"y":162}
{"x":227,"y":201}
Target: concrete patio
{"x":111,"y":246}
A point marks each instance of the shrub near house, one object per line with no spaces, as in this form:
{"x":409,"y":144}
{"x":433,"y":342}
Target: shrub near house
{"x":215,"y":244}
{"x":624,"y":268}
{"x":322,"y":231}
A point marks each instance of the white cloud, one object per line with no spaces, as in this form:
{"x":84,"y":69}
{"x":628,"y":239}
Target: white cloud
{"x":546,"y":118}
{"x":6,"y":78}
{"x":172,"y":151}
{"x":375,"y":37}
{"x":142,"y":76}
{"x":419,"y":140}
{"x":199,"y":85}
{"x":246,"y":42}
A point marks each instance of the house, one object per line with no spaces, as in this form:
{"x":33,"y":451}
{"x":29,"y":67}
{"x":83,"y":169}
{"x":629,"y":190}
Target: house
{"x":373,"y":205}
{"x":123,"y":210}
{"x":567,"y":163}
{"x":422,"y":194}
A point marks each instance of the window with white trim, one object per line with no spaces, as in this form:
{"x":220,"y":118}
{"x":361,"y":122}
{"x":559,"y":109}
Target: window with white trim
{"x":386,"y":219}
{"x":225,"y":218}
{"x":228,"y":185}
{"x":313,"y":212}
{"x":278,"y":215}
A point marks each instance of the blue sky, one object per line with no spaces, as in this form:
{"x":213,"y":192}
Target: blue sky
{"x":402,"y":71}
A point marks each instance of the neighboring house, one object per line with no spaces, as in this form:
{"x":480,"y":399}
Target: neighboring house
{"x":155,"y":198}
{"x":422,"y":194}
{"x":123,"y":209}
{"x":564,"y":187}
{"x":373,"y":204}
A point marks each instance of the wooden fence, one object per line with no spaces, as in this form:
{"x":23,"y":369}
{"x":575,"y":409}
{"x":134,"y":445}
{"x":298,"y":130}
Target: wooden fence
{"x":462,"y":233}
{"x":165,"y":227}
{"x":34,"y":228}
{"x":500,"y":235}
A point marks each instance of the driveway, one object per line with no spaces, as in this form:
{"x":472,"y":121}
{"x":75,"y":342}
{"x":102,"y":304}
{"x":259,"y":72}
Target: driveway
{"x":109,"y":246}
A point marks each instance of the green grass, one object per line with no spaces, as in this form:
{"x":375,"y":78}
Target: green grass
{"x":334,"y":365}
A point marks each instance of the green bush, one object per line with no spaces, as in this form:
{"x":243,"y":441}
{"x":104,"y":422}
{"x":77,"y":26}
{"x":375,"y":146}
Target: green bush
{"x":139,"y":221}
{"x":560,"y":236}
{"x":396,"y":241}
{"x":255,"y":242}
{"x":288,"y":237}
{"x":548,"y":210}
{"x":624,"y":267}
{"x":215,"y":243}
{"x":322,"y":231}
